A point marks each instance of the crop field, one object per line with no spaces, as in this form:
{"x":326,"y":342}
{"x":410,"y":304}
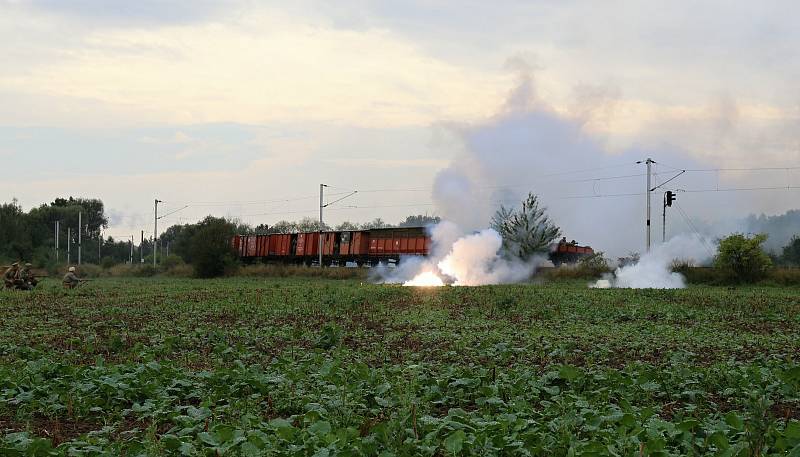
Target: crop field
{"x":314,"y":367}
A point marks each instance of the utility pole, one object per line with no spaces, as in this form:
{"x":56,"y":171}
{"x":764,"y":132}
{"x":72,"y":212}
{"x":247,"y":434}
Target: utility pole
{"x":155,"y":232}
{"x":664,"y":220}
{"x":79,"y":237}
{"x":131,"y":249}
{"x":141,"y":249}
{"x":321,"y":205}
{"x":69,"y":240}
{"x":649,"y":189}
{"x":56,"y":240}
{"x":99,"y":242}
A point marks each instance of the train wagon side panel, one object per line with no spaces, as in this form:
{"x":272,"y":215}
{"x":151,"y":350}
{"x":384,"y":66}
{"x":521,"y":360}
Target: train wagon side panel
{"x":263,"y":245}
{"x":345,"y":239}
{"x":329,"y":243}
{"x":274,"y":245}
{"x":311,"y":245}
{"x":285,"y":245}
{"x":360,"y":243}
{"x":250,"y":250}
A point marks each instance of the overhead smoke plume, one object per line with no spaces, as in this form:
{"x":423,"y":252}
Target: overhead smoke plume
{"x":460,"y":259}
{"x":654,"y":269}
{"x":596,"y":196}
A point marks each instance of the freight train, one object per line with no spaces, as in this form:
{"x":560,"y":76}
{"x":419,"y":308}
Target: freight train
{"x":568,"y":252}
{"x":360,"y":247}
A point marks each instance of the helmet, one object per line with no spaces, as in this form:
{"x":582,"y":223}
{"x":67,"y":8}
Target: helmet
{"x":71,"y":269}
{"x":28,"y":265}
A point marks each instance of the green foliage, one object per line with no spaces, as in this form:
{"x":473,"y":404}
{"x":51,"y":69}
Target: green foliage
{"x":171,"y":261}
{"x":791,"y":252}
{"x":526,"y":231}
{"x":420,"y":220}
{"x":108,"y":262}
{"x":589,"y":267}
{"x":210,"y":248}
{"x":742,"y":258}
{"x":329,"y":337}
{"x":288,"y":367}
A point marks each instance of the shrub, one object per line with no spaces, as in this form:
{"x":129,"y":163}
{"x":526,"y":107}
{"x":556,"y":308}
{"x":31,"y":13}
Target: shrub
{"x":89,"y":270}
{"x":107,"y":262}
{"x":181,"y":270}
{"x":791,"y":252}
{"x":146,"y":270}
{"x":171,"y":261}
{"x":210,"y":247}
{"x":282,"y":271}
{"x":742,"y":258}
{"x":589,"y":267}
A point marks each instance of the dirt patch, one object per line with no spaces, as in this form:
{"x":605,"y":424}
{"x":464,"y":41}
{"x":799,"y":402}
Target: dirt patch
{"x":58,"y":430}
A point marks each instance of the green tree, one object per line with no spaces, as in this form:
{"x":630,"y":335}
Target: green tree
{"x":526,"y":230}
{"x":309,"y":224}
{"x":210,"y":247}
{"x":347,"y":226}
{"x":742,"y":258}
{"x":283,"y":227}
{"x":375,"y":224}
{"x":791,"y":252}
{"x":420,"y":221}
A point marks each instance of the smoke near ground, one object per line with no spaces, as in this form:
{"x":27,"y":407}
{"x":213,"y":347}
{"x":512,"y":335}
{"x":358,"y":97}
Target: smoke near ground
{"x":460,"y":259}
{"x":594,"y":192}
{"x":654,"y":269}
{"x":596,"y":195}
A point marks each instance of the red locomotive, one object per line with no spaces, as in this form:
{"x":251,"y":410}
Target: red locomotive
{"x":359,"y":246}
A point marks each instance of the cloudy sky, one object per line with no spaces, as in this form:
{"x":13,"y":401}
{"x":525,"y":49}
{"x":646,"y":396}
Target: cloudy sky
{"x":242,"y":108}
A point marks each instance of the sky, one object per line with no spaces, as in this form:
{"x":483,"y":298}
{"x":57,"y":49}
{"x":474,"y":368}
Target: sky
{"x":242,"y":108}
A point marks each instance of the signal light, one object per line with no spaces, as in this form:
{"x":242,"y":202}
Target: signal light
{"x":671,"y":197}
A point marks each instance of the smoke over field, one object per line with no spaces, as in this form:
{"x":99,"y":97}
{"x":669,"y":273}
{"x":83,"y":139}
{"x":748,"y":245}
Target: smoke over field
{"x":654,"y":269}
{"x":596,"y":195}
{"x":460,"y":259}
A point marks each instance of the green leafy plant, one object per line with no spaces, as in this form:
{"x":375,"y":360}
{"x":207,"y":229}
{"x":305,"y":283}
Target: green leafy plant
{"x":742,"y":258}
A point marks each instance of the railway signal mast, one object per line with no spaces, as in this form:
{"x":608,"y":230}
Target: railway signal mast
{"x":669,"y":197}
{"x":650,"y":163}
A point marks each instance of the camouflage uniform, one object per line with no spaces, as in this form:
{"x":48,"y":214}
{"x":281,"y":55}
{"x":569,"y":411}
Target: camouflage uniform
{"x":11,"y":276}
{"x":71,"y":280}
{"x":27,"y":277}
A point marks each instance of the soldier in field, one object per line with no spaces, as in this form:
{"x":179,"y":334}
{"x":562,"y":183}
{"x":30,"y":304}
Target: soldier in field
{"x":27,"y":279}
{"x":71,"y":280}
{"x":11,"y":276}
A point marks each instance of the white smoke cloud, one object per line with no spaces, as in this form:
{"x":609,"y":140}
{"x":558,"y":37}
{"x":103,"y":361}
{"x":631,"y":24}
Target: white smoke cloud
{"x":460,"y":259}
{"x":653,"y":271}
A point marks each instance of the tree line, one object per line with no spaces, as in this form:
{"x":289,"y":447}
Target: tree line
{"x":31,"y":235}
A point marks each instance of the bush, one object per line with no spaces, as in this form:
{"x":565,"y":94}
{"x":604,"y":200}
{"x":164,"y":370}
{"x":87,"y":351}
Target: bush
{"x":791,"y":252}
{"x":210,"y":247}
{"x":107,"y":262}
{"x":589,"y":267}
{"x":283,"y":271}
{"x":181,"y":270}
{"x":742,"y":258}
{"x":700,"y":275}
{"x":88,"y":270}
{"x":171,"y":261}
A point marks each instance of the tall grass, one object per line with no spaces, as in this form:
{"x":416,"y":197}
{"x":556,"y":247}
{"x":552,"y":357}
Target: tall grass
{"x":283,"y":271}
